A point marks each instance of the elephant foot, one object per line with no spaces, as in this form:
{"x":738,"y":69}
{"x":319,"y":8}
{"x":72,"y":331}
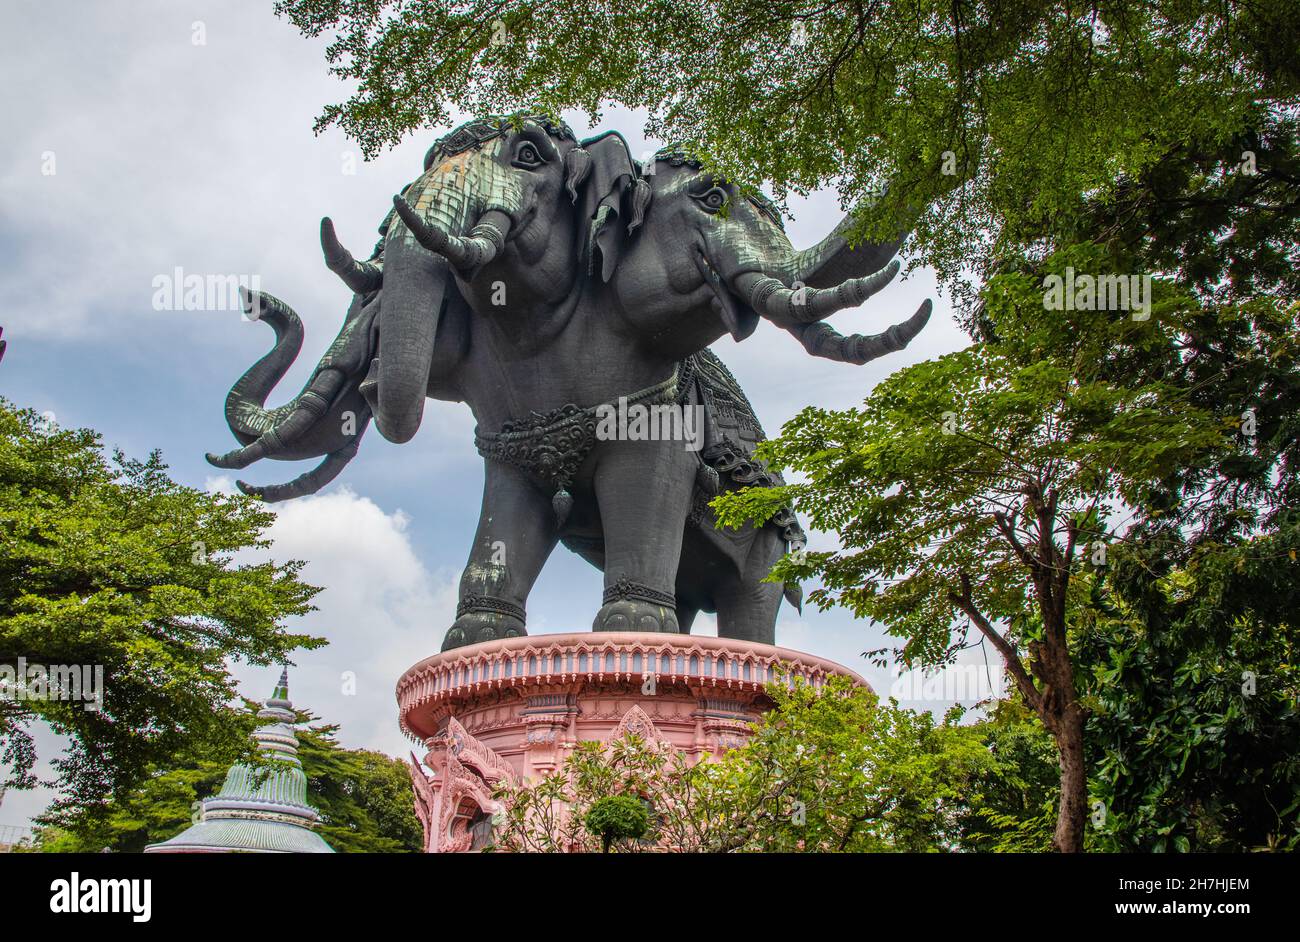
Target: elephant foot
{"x":633,"y":615}
{"x":473,"y":627}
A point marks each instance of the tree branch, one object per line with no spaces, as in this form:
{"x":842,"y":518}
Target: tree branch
{"x":1014,"y":666}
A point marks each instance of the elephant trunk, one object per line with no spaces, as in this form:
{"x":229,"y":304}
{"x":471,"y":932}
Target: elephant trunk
{"x":321,"y":418}
{"x":832,"y":261}
{"x":799,"y":290}
{"x":443,"y":230}
{"x":822,"y":340}
{"x":246,"y":411}
{"x":415,"y":282}
{"x":769,"y":297}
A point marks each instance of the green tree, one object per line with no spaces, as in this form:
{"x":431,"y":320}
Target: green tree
{"x":617,"y":818}
{"x":978,"y":489}
{"x":988,"y":118}
{"x":1011,"y":804}
{"x":364,"y":799}
{"x":836,"y":771}
{"x":364,"y":796}
{"x":828,"y":770}
{"x":106,"y":562}
{"x":1189,"y":755}
{"x":160,"y":807}
{"x":1221,"y":217}
{"x":1194,"y":686}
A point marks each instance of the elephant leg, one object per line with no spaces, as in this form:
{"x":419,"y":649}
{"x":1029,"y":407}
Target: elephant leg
{"x":747,"y":610}
{"x":644,"y":489}
{"x":685,"y":618}
{"x":516,"y":534}
{"x":747,"y":605}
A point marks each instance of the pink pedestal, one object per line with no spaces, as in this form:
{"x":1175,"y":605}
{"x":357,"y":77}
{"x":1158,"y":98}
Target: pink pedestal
{"x":514,"y":710}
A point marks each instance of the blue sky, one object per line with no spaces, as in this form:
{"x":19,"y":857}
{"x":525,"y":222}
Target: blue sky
{"x":168,"y":152}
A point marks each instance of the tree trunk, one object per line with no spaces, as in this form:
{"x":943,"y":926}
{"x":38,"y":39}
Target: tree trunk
{"x":1072,"y":808}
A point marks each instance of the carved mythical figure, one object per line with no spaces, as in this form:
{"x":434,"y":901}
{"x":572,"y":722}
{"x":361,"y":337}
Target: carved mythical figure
{"x":549,"y":283}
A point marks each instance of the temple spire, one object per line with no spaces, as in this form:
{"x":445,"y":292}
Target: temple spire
{"x":281,"y":691}
{"x":257,"y":811}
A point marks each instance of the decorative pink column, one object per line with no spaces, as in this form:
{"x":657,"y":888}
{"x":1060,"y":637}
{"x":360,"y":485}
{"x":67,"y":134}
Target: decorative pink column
{"x":515,"y":709}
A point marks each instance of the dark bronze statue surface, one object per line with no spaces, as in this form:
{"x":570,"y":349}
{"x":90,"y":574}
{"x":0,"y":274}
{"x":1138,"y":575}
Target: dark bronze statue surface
{"x":568,"y":295}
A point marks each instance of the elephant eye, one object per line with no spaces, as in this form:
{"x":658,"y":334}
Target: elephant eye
{"x":714,"y":199}
{"x":527,"y":155}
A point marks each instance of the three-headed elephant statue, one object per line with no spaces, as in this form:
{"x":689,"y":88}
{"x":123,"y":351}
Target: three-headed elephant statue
{"x":568,"y":294}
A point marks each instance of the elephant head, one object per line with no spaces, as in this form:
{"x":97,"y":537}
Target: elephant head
{"x":726,"y":257}
{"x":480,"y":219}
{"x":490,"y":218}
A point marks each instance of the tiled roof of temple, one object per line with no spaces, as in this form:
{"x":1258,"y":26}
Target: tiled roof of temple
{"x":258,"y":811}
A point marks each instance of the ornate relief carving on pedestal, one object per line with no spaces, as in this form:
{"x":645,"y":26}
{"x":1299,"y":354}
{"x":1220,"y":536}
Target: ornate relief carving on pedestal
{"x":465,"y":795}
{"x":637,"y":722}
{"x":476,"y":755}
{"x":425,"y":802}
{"x":465,"y":772}
{"x":728,"y":722}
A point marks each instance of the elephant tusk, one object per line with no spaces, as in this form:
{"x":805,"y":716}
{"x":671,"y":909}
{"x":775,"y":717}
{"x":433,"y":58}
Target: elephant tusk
{"x":484,"y":243}
{"x":361,"y":277}
{"x":822,"y":340}
{"x":806,"y":305}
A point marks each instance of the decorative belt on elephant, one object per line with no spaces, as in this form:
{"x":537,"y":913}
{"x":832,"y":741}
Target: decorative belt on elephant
{"x":552,"y":447}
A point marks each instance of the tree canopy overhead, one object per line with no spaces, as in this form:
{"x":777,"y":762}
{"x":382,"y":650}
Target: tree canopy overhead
{"x":991,"y":119}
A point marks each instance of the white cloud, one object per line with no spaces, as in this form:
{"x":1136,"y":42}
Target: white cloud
{"x":169,"y":154}
{"x":381,"y":610}
{"x":220,"y":484}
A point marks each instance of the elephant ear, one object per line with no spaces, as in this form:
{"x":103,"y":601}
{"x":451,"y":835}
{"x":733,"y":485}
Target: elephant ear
{"x":603,"y":199}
